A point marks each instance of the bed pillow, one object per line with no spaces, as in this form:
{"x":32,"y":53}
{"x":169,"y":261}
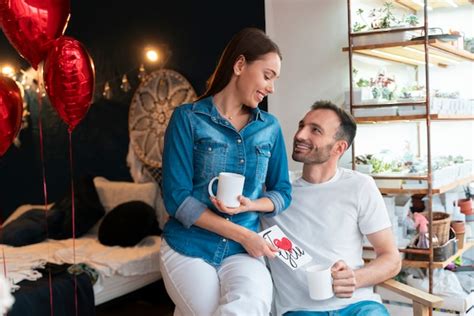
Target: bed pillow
{"x":28,"y":228}
{"x":22,"y":209}
{"x":113,"y":193}
{"x":127,"y":224}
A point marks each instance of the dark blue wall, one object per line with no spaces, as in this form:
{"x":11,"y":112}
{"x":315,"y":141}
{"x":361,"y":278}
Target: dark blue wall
{"x":115,"y":34}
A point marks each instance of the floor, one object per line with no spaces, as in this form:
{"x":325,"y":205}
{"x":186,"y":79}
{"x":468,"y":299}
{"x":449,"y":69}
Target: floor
{"x":150,"y":300}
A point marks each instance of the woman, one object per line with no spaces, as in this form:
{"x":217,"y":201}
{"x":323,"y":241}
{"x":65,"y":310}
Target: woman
{"x":210,"y":253}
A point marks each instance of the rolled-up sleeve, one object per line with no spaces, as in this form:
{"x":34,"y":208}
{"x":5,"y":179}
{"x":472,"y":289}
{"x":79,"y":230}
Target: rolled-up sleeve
{"x":278,"y":181}
{"x":178,"y":170}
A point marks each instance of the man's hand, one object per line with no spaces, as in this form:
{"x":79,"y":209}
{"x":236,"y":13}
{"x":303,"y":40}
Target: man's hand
{"x":245,"y":204}
{"x":256,"y":246}
{"x":344,"y":281}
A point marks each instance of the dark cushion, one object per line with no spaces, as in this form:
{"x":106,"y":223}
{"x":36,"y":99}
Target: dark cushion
{"x":127,"y":224}
{"x":33,"y":226}
{"x":28,"y":228}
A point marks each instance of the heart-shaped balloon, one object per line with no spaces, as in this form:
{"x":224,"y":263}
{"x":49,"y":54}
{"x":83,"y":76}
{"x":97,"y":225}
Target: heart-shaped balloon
{"x":32,"y":25}
{"x":11,"y":111}
{"x":69,"y":79}
{"x":284,"y":243}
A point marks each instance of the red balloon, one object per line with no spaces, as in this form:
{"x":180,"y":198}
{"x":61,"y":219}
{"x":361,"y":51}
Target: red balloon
{"x":32,"y":25}
{"x":11,"y":112}
{"x":69,"y":79}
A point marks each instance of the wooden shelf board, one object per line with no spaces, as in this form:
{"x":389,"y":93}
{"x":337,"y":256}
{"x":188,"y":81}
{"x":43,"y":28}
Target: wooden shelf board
{"x":439,"y":190}
{"x":403,"y":118}
{"x":412,"y":52}
{"x":432,"y":3}
{"x":375,"y":119}
{"x":436,"y":265}
{"x":387,"y":104}
{"x":444,"y":117}
{"x":387,"y":30}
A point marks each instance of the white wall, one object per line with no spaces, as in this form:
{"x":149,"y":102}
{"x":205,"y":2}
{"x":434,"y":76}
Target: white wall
{"x":310,"y":34}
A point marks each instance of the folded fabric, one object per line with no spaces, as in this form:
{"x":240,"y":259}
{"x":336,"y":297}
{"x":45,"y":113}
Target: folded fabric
{"x":138,"y":260}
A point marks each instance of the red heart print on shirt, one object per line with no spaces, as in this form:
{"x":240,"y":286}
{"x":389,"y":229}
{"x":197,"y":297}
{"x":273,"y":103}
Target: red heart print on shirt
{"x":284,"y":243}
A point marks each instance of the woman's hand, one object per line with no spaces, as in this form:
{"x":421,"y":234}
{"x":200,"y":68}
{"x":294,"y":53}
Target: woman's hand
{"x":256,"y":246}
{"x":245,"y":205}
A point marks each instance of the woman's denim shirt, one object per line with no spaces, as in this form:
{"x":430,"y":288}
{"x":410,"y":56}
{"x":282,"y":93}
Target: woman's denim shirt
{"x":199,"y":144}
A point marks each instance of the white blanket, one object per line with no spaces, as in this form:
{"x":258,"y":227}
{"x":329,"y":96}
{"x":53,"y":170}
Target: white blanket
{"x":22,"y":262}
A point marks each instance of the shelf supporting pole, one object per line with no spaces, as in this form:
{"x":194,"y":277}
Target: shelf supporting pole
{"x":351,"y":89}
{"x":428,"y":149}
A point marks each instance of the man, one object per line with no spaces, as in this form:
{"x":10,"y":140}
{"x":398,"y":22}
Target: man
{"x":331,"y":211}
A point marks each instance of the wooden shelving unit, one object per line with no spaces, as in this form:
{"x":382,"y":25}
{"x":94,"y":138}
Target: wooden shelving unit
{"x":412,"y":52}
{"x":437,"y":264}
{"x":425,"y":52}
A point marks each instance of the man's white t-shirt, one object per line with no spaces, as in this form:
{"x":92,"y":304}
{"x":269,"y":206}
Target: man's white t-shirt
{"x":328,"y":221}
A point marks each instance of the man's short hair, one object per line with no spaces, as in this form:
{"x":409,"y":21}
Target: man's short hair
{"x":347,"y":129}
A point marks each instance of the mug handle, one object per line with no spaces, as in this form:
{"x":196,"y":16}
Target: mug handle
{"x":209,"y":187}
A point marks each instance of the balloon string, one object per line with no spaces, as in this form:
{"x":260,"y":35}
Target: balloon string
{"x":45,"y":187}
{"x":73,"y":218}
{"x":4,"y":263}
{"x":43,"y":169}
{"x":5,"y":267}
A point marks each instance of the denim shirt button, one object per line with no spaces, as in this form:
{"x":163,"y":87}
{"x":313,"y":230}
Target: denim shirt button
{"x":242,"y":161}
{"x":224,"y":240}
{"x":228,"y":219}
{"x":209,"y":149}
{"x":239,"y":140}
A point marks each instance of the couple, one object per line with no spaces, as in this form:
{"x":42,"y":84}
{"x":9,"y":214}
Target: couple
{"x":211,"y":256}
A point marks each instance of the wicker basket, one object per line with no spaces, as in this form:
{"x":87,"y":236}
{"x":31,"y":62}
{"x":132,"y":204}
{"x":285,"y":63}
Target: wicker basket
{"x":441,"y":225}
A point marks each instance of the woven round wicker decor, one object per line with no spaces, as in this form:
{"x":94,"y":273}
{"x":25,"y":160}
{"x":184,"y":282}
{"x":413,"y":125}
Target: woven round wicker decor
{"x":151,"y":109}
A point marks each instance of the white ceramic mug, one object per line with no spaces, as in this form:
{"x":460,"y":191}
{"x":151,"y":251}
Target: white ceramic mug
{"x":319,"y":282}
{"x":229,"y":187}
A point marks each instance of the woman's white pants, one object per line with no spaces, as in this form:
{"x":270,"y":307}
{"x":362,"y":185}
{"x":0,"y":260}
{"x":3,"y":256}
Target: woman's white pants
{"x":240,"y":286}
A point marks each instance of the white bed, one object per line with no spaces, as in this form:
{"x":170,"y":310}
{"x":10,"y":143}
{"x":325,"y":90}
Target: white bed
{"x":121,"y":270}
{"x":116,"y":286}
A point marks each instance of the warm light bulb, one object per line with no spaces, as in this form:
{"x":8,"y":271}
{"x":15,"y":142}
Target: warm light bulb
{"x":8,"y":71}
{"x":152,"y":55}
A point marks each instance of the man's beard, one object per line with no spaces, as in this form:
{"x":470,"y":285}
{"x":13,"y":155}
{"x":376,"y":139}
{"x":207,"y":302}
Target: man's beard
{"x":316,"y":156}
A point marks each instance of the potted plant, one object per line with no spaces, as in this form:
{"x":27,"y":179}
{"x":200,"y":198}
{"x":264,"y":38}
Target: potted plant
{"x":383,"y":87}
{"x":466,"y":204}
{"x":363,"y":164}
{"x":411,"y":20}
{"x":383,"y":17}
{"x":358,"y":27}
